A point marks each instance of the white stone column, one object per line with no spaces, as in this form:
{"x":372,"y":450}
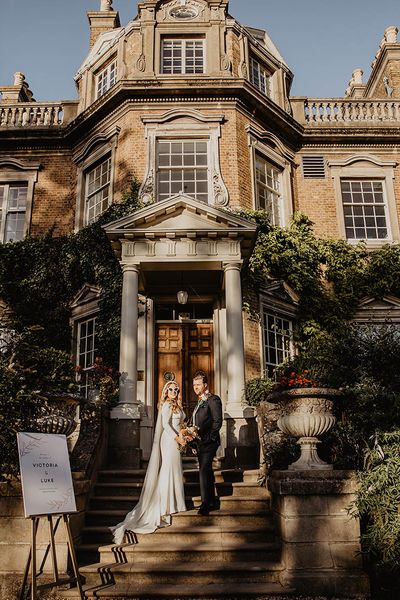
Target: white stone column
{"x":128,"y":406}
{"x":235,"y":340}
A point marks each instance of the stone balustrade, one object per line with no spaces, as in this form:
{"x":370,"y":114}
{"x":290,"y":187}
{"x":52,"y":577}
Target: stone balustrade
{"x":37,"y":114}
{"x":331,"y":111}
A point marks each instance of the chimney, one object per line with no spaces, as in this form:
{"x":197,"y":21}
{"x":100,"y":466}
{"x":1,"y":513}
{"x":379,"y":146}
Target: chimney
{"x":103,"y":20}
{"x":19,"y":92}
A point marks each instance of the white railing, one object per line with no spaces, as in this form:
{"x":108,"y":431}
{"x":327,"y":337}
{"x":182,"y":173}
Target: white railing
{"x":313,"y":111}
{"x":37,"y":114}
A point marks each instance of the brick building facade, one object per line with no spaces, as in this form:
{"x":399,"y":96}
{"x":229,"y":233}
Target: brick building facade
{"x":197,"y":107}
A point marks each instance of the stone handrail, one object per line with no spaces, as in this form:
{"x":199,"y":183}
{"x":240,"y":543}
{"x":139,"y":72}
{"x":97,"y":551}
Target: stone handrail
{"x":37,"y":114}
{"x":330,"y":111}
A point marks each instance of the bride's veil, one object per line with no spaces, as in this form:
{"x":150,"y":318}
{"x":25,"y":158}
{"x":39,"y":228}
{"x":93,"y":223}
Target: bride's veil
{"x":145,"y":517}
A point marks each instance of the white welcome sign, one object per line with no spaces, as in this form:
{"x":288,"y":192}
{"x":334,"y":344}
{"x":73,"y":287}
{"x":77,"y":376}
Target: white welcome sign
{"x":47,"y":486}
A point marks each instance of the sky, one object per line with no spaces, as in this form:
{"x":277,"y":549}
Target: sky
{"x":322,"y":41}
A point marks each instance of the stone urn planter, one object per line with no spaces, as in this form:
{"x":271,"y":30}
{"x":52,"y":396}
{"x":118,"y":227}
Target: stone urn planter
{"x":58,"y":414}
{"x":306,"y":413}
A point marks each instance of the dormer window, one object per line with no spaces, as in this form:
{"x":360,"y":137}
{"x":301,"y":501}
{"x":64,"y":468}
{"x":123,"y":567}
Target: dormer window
{"x":260,"y":77}
{"x":182,"y":56}
{"x":106,"y":78}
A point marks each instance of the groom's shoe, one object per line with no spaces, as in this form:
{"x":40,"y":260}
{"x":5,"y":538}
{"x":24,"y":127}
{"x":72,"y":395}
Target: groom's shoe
{"x":204,"y":510}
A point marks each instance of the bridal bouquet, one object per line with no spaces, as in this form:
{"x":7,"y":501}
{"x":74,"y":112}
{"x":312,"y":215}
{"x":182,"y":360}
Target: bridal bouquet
{"x":189,"y":434}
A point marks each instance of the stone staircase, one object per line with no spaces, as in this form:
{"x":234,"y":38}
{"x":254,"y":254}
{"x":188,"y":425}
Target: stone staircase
{"x":232,"y":553}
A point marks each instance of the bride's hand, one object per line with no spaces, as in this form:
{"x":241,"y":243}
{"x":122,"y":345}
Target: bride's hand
{"x":181,"y":440}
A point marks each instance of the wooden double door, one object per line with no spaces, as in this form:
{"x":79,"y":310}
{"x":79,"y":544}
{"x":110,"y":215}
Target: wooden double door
{"x":182,"y":349}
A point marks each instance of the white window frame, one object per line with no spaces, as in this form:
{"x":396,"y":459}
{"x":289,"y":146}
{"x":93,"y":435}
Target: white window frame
{"x":366,"y":167}
{"x":97,"y":150}
{"x":182,"y":169}
{"x":6,"y":210}
{"x":183,"y":42}
{"x":277,"y":156}
{"x":276,"y":209}
{"x":269,"y":312}
{"x":362,"y":206}
{"x":260,"y":77}
{"x":88,"y":356}
{"x":106,"y":78}
{"x":184,"y":125}
{"x":92,"y":195}
{"x":15,"y":172}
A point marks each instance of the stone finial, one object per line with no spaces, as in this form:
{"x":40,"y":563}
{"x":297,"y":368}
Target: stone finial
{"x":106,"y":6}
{"x":390,"y":35}
{"x":357,"y":76}
{"x":19,"y":78}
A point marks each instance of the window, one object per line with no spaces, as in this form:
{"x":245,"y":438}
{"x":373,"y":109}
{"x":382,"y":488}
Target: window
{"x":268,"y":195}
{"x":182,"y":56}
{"x":364,"y":210}
{"x":182,"y":166}
{"x":277,"y":334}
{"x":260,"y":77}
{"x":98,"y":197}
{"x":86,"y":351}
{"x":106,"y":79}
{"x":13,"y":205}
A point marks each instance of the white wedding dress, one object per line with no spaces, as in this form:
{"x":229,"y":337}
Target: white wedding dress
{"x":162,"y":493}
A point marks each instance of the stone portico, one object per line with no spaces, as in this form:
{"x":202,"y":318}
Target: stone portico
{"x":177,"y":235}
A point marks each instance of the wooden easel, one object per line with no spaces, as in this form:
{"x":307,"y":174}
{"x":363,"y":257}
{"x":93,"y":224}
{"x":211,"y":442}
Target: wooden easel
{"x":32,"y":558}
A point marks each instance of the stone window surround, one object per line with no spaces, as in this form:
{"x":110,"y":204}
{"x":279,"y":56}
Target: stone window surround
{"x":279,"y":309}
{"x":184,"y":124}
{"x":269,"y":89}
{"x":382,"y":170}
{"x":17,"y":171}
{"x":82,"y":309}
{"x":98,"y":147}
{"x":278,"y":159}
{"x":196,"y":31}
{"x":257,"y":55}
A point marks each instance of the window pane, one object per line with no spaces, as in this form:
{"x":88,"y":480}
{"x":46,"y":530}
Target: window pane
{"x":364,"y":210}
{"x":183,"y":170}
{"x":98,"y":190}
{"x":268,"y":189}
{"x":276,"y":340}
{"x":106,"y":79}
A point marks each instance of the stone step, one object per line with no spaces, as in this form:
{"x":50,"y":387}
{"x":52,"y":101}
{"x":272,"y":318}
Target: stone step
{"x":176,"y":553}
{"x":238,"y":517}
{"x":123,"y":503}
{"x":128,"y":488}
{"x":202,"y":533}
{"x":186,"y":573}
{"x":241,"y":488}
{"x":253,"y":501}
{"x":133,"y":591}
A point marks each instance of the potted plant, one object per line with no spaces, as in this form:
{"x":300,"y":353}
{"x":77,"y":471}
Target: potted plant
{"x":306,"y":412}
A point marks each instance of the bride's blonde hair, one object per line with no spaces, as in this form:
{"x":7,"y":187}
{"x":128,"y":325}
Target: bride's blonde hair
{"x":176,"y":404}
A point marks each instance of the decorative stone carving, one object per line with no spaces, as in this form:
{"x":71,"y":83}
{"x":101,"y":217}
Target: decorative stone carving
{"x":219,"y":190}
{"x":388,"y":88}
{"x":306,"y":413}
{"x":106,"y":6}
{"x":243,"y":70}
{"x":147,"y":191}
{"x":183,"y":10}
{"x":225,"y":63}
{"x":390,"y":35}
{"x":141,"y":63}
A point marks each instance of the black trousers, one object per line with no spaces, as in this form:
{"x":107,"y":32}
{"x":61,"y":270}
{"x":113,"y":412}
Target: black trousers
{"x":206,"y":453}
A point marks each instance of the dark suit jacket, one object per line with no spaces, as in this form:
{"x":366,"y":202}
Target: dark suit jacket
{"x":209,"y":420}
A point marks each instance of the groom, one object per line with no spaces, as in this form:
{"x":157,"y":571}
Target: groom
{"x":207,"y":415}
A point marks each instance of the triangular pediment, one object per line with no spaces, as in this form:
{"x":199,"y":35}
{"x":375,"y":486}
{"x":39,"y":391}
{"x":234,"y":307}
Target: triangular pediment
{"x":279,"y":290}
{"x":380,"y":304}
{"x":179,"y":215}
{"x":386,"y":308}
{"x":87,"y":293}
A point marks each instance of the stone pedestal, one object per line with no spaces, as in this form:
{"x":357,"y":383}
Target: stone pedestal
{"x":320,"y":541}
{"x":124,"y":444}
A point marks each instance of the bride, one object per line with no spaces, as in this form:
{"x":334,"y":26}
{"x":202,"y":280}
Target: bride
{"x":162,"y":493}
